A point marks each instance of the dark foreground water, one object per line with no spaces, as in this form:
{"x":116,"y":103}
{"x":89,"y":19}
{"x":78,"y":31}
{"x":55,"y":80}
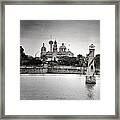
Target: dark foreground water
{"x":57,"y":87}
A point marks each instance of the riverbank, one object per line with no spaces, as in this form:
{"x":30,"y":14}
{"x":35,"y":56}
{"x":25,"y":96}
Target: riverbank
{"x":53,"y":70}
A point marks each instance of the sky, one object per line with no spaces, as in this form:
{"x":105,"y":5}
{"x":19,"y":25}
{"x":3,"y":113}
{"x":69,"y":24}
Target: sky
{"x":77,"y":35}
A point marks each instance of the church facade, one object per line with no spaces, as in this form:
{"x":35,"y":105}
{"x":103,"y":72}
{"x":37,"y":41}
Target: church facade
{"x":55,"y":53}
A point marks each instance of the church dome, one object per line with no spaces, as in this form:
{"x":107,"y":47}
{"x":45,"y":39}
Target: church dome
{"x":55,"y":42}
{"x":63,"y":47}
{"x":50,"y":42}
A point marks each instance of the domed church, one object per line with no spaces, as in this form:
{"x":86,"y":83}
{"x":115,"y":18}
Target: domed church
{"x":54,"y":53}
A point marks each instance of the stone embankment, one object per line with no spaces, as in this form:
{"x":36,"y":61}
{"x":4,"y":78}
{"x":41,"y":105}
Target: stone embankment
{"x":54,"y":70}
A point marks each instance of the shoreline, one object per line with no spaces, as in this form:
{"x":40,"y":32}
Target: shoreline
{"x":55,"y":70}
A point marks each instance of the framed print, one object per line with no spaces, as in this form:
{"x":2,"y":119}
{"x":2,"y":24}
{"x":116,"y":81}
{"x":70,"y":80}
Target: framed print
{"x":60,"y":60}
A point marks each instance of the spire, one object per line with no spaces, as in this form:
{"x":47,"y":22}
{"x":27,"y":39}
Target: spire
{"x":51,"y":37}
{"x":55,"y":46}
{"x":43,"y":47}
{"x":51,"y":42}
{"x":55,"y":42}
{"x":68,"y":47}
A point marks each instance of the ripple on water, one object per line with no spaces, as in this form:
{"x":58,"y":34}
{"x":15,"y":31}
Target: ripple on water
{"x":57,"y":87}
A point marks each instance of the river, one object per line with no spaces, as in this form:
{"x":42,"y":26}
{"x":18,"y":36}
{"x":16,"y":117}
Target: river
{"x":57,"y":87}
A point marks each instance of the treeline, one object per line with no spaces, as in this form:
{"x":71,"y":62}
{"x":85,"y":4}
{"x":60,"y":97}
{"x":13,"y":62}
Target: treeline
{"x":26,"y":60}
{"x":79,"y":61}
{"x":97,"y":61}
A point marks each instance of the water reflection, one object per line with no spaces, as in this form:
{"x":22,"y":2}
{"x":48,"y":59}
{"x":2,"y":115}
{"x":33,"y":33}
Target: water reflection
{"x":57,"y":87}
{"x":90,"y":90}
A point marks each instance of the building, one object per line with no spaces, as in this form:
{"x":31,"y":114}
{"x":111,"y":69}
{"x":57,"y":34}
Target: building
{"x":54,"y":53}
{"x":90,"y":56}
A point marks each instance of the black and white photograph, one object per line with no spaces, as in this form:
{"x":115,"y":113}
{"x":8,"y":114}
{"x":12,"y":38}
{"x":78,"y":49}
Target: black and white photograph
{"x":59,"y":59}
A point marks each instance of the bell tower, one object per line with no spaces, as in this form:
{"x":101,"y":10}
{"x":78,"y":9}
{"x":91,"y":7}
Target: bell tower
{"x":43,"y":50}
{"x":91,"y":66}
{"x":55,"y":51}
{"x":55,"y":46}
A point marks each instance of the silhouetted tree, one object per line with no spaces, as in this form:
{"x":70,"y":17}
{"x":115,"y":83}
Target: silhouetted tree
{"x":68,"y":61}
{"x":97,"y":61}
{"x":81,"y":61}
{"x":28,"y":60}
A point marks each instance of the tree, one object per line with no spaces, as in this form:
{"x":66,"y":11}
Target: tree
{"x":22,"y":54}
{"x":68,"y":61}
{"x":23,"y":57}
{"x":28,"y":60}
{"x":81,"y":60}
{"x":97,"y":61}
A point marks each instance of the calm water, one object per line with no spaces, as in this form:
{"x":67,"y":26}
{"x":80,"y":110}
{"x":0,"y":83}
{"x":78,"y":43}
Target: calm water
{"x":57,"y":86}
